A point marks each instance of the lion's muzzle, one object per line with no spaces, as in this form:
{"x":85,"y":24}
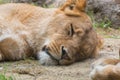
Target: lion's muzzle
{"x":49,"y":57}
{"x":46,"y":59}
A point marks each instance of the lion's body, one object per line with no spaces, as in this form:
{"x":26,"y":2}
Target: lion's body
{"x":21,"y":26}
{"x":106,"y":69}
{"x":29,"y":31}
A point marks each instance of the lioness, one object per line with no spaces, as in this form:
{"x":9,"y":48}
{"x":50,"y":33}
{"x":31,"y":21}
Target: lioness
{"x":54,"y":36}
{"x":106,"y":69}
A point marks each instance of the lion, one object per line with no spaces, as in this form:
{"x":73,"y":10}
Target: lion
{"x":106,"y":69}
{"x":49,"y":35}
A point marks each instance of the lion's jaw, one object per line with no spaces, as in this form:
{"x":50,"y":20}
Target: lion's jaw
{"x":44,"y":56}
{"x":45,"y":59}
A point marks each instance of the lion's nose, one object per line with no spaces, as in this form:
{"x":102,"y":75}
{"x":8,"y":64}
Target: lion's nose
{"x":45,"y":48}
{"x":63,"y":51}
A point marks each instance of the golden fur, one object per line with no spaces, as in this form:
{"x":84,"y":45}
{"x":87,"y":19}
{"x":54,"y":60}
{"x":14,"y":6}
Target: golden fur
{"x":74,"y":7}
{"x":50,"y":35}
{"x":106,"y":69}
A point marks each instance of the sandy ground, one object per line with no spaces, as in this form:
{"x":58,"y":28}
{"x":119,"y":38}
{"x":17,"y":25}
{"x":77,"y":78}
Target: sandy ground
{"x":32,"y":70}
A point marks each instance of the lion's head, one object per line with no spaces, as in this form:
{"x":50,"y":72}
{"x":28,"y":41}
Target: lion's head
{"x":71,"y":36}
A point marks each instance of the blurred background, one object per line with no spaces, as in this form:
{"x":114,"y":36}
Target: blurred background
{"x":104,"y":13}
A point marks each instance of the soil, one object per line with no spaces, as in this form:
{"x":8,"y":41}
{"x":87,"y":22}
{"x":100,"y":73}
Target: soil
{"x":30,"y":69}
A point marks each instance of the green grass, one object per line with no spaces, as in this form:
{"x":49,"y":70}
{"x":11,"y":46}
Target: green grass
{"x":3,"y":73}
{"x":105,"y":23}
{"x":3,"y":77}
{"x":4,"y":1}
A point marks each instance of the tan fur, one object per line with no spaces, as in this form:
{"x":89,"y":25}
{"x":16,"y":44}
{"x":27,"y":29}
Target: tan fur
{"x":74,"y":7}
{"x":29,"y":31}
{"x":106,"y":69}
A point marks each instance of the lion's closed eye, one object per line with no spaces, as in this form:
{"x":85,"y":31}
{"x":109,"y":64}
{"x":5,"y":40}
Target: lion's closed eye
{"x":70,"y":31}
{"x":73,"y":30}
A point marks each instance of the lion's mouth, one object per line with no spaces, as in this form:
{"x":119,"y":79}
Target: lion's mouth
{"x":46,"y":58}
{"x":51,"y":56}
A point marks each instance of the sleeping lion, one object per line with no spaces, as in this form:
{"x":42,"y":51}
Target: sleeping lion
{"x":106,"y":69}
{"x":56,"y":36}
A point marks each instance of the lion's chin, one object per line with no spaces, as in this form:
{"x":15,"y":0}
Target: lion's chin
{"x":46,"y":60}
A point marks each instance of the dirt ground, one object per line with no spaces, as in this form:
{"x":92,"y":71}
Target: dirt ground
{"x":31,"y":69}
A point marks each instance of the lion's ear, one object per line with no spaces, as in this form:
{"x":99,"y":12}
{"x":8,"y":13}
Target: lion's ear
{"x":73,"y":7}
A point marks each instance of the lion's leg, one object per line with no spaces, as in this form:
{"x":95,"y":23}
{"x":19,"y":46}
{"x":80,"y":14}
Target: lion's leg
{"x":11,"y":50}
